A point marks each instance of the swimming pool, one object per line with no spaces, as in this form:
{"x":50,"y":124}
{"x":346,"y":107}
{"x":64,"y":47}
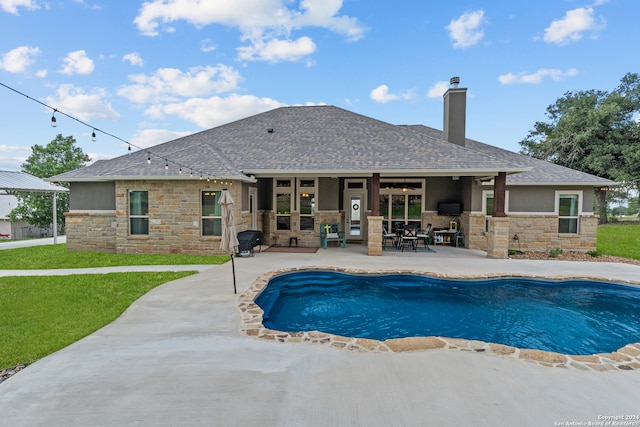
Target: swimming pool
{"x":573,"y":316}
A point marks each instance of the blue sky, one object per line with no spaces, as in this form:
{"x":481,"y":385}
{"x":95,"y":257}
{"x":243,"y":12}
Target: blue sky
{"x":148,"y":72}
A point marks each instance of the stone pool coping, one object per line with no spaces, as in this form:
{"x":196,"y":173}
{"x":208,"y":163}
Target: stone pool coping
{"x":625,"y":358}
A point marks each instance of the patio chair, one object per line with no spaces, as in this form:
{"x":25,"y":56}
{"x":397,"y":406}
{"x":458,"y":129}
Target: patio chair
{"x":424,"y":235}
{"x":459,"y":238}
{"x":409,"y":237}
{"x":388,"y":237}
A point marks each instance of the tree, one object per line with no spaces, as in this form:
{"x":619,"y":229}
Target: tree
{"x":60,"y":155}
{"x":594,"y":132}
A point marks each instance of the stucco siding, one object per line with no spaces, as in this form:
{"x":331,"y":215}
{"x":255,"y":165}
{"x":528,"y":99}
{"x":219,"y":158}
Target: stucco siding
{"x":98,"y":196}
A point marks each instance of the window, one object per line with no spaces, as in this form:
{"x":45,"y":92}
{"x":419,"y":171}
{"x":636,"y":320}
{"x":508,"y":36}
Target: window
{"x":283,"y":204}
{"x":568,"y":208}
{"x":307,"y":204}
{"x":401,"y":203}
{"x":487,"y":208}
{"x":138,"y":212}
{"x":211,"y":213}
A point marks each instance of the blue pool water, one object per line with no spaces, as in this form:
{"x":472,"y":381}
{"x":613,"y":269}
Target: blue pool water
{"x":571,"y":317}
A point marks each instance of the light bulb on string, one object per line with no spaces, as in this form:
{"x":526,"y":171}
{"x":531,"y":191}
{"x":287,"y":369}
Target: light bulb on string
{"x":94,"y":131}
{"x":166,"y":164}
{"x":180,"y":170}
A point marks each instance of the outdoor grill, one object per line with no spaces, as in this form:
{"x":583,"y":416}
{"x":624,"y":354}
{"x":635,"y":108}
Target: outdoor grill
{"x":249,"y":239}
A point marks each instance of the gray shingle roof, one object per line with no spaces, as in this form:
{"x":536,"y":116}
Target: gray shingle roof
{"x":541,"y":173}
{"x":308,"y":140}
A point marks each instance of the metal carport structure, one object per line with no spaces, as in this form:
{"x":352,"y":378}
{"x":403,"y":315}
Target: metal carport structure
{"x":12,"y":181}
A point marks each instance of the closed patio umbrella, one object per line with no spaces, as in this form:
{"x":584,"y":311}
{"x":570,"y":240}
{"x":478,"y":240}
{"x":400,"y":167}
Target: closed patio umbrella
{"x":229,"y":241}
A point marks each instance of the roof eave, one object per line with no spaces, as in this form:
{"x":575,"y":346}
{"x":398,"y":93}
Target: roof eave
{"x":387,"y":172}
{"x":187,"y":177}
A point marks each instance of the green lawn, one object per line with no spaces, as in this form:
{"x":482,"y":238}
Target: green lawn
{"x":619,"y":240}
{"x":56,"y":256}
{"x":42,"y":314}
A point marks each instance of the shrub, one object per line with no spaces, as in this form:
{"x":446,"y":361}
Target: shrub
{"x":595,"y":253}
{"x":553,"y":253}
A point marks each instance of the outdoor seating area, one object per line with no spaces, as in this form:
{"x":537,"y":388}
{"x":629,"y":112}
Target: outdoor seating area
{"x":407,"y":236}
{"x":332,"y":233}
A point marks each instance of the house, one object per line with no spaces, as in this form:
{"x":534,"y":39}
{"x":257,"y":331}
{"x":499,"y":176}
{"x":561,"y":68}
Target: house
{"x":293,"y":168}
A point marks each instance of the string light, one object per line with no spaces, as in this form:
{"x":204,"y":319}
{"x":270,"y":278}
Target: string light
{"x":166,"y":164}
{"x":94,"y":130}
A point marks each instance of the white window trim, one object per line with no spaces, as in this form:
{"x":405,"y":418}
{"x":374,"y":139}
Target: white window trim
{"x":304,"y":190}
{"x":284,"y":190}
{"x":486,"y":193}
{"x":202,"y":217}
{"x":138,"y":216}
{"x":398,"y":191}
{"x":556,"y":208}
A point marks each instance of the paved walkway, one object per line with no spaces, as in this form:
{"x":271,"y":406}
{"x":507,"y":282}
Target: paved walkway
{"x":176,"y":357}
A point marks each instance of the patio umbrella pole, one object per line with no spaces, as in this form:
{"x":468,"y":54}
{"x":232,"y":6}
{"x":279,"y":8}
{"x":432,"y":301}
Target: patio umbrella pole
{"x":233,"y":270}
{"x":229,"y":241}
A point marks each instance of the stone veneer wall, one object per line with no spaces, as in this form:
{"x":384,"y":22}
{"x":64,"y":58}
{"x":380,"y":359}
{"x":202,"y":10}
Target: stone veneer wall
{"x":174,"y":217}
{"x":374,"y":237}
{"x":535,"y":233}
{"x":308,"y":238}
{"x":91,"y":231}
{"x":498,"y":237}
{"x":540,"y":233}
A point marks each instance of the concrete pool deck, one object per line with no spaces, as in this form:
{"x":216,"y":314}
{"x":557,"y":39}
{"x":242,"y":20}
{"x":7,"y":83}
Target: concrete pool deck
{"x":178,"y":356}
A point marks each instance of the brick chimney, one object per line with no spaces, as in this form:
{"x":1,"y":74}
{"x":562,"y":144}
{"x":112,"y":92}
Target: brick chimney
{"x":455,"y":112}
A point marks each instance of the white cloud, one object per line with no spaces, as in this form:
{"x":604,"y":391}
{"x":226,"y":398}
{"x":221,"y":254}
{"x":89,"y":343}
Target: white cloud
{"x":11,"y":6}
{"x":77,"y":63}
{"x":215,"y":111}
{"x":207,"y":45}
{"x":134,"y":59}
{"x":277,"y":50}
{"x":324,"y":13}
{"x":381,"y":94}
{"x":266,"y":24}
{"x":466,"y":31}
{"x":13,"y":149}
{"x":571,"y":28}
{"x":19,"y":59}
{"x":150,"y":137}
{"x":84,"y":106}
{"x":536,"y":78}
{"x":438,"y":89}
{"x":168,"y":83}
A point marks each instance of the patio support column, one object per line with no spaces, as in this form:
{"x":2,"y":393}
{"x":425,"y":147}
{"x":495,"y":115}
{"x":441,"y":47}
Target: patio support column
{"x":375,"y":195}
{"x":498,"y":237}
{"x":499,"y":190}
{"x":55,"y":218}
{"x":374,"y":236}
